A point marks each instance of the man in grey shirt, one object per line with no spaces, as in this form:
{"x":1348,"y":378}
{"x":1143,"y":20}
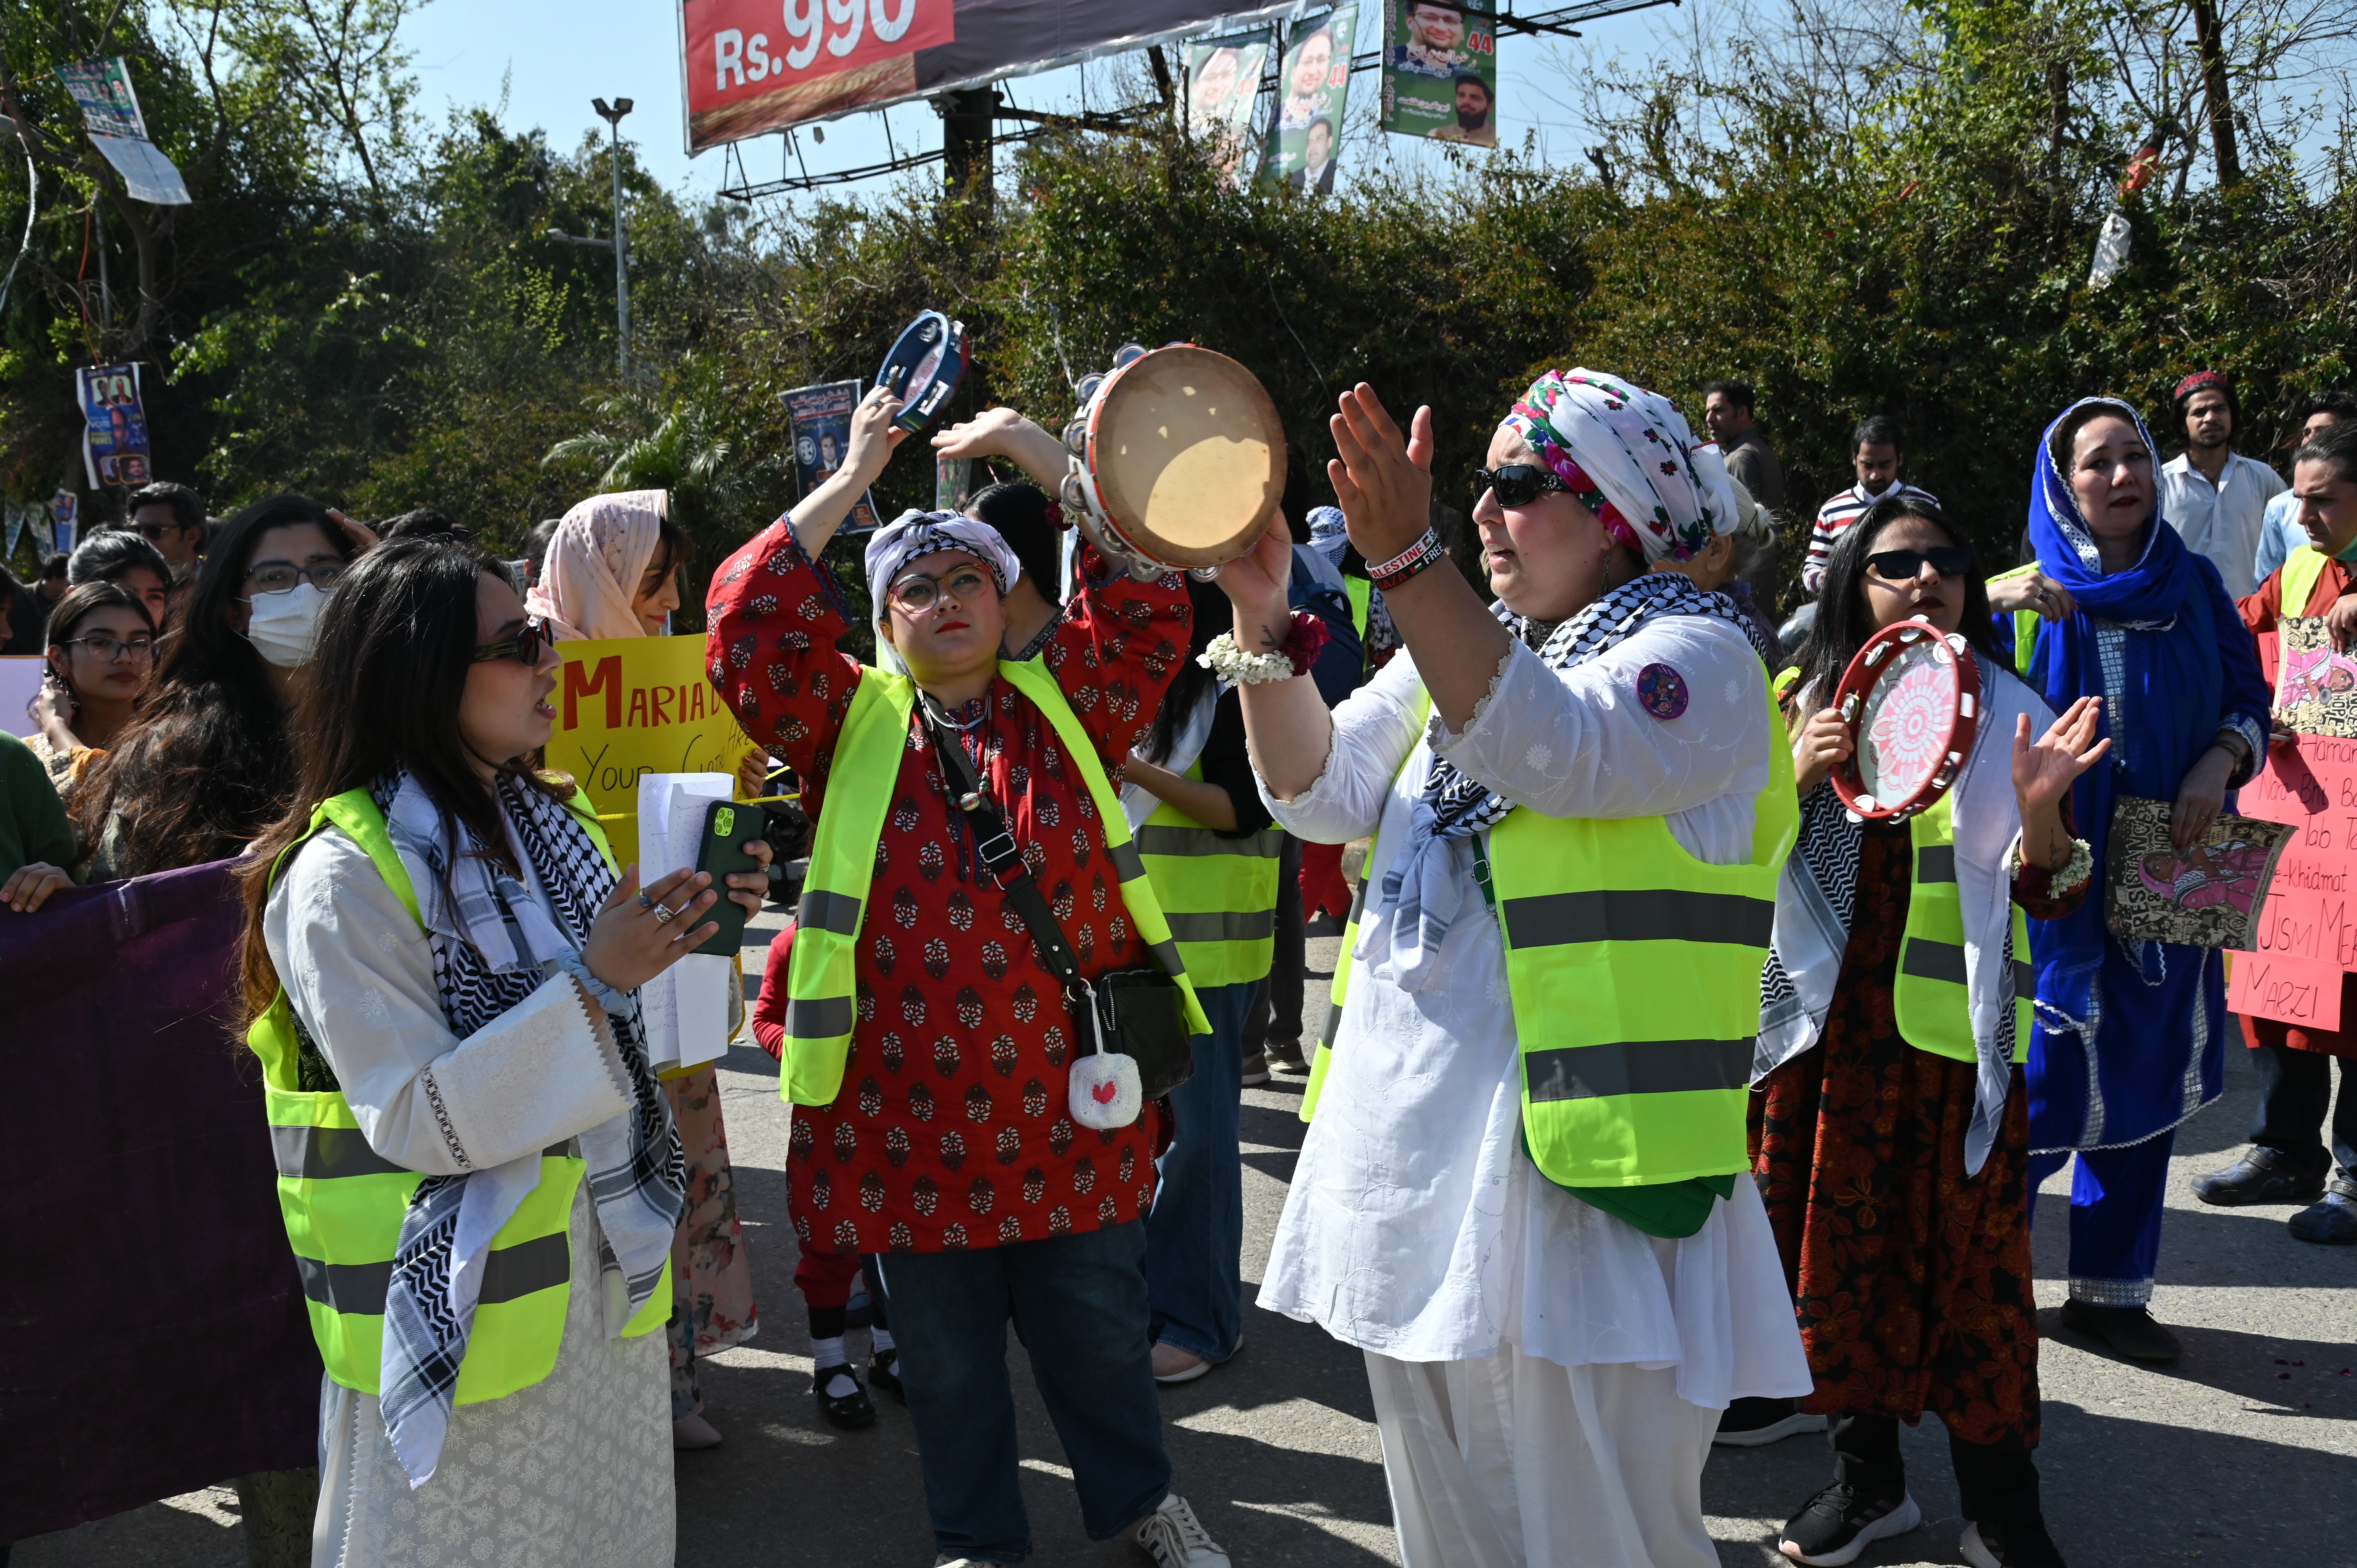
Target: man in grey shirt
{"x":1726,"y":409}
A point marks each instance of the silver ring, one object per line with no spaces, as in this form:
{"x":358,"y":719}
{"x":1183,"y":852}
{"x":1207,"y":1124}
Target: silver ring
{"x":663,"y":914}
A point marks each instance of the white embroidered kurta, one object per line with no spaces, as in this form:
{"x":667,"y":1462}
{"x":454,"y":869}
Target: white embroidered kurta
{"x":1415,"y":1225}
{"x":576,"y":1471}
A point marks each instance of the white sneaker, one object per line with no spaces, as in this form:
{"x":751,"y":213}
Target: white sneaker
{"x":1175,"y":1538}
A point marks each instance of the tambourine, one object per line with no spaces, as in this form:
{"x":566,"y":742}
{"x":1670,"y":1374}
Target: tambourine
{"x":1912,"y":700}
{"x":1177,"y":456}
{"x":923,"y":368}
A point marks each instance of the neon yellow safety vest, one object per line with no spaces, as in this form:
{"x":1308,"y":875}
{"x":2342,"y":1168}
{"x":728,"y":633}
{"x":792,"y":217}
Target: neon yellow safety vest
{"x":822,"y":975}
{"x":1935,"y":1007}
{"x":2024,"y":623}
{"x":343,"y":1202}
{"x":1218,"y":894}
{"x":1363,"y":593}
{"x":1633,"y":969}
{"x":2301,"y":571}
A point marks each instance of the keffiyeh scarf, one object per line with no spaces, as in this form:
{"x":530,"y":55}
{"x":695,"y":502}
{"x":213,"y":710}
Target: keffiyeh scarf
{"x":1425,"y":887}
{"x":491,"y":936}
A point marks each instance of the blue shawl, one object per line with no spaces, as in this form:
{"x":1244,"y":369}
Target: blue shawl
{"x":2176,"y":691}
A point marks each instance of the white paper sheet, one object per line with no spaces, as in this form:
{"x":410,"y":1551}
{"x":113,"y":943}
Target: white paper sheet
{"x":685,"y":1008}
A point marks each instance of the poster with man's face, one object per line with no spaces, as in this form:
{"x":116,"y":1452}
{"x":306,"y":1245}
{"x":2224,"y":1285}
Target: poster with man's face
{"x":1222,"y":85}
{"x":1313,"y":86}
{"x":1440,"y":71}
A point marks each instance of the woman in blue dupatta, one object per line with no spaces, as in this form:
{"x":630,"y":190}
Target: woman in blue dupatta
{"x":2130,"y":1035}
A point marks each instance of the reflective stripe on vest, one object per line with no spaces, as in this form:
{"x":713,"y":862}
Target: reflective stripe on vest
{"x":2025,"y":624}
{"x":2301,"y":571}
{"x":1218,"y":894}
{"x":822,"y":970}
{"x":1934,"y":1006}
{"x":343,"y":1202}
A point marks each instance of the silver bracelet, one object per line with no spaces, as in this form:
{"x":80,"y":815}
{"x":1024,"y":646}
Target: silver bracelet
{"x":614,"y":1003}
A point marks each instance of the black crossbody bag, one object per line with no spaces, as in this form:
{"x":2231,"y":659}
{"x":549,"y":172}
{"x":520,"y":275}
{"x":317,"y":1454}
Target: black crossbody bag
{"x":1140,"y":1012}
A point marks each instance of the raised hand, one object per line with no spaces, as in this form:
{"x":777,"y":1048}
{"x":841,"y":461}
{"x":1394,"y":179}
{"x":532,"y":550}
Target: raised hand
{"x":2043,"y":770}
{"x":1383,"y":479}
{"x":1257,"y":582}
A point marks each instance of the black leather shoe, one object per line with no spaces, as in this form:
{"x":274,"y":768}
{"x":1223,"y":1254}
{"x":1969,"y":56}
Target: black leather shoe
{"x":884,"y":1372}
{"x":849,"y":1412}
{"x":2128,"y":1331}
{"x":2332,"y":1222}
{"x":2263,"y":1175}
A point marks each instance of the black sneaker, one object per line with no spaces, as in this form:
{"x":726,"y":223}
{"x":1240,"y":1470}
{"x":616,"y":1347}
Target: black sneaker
{"x":849,"y":1412}
{"x":1285,"y":1057}
{"x":884,"y":1372}
{"x":2332,"y":1222}
{"x":2129,"y":1331}
{"x":1756,"y":1423}
{"x":2263,"y":1175}
{"x":1255,"y":1070}
{"x":2026,"y":1545}
{"x":1838,"y":1523}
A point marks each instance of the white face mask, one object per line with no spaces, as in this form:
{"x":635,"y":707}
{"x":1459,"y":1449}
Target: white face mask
{"x":286,"y":624}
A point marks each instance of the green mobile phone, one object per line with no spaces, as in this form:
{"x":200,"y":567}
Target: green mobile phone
{"x":726,"y":826}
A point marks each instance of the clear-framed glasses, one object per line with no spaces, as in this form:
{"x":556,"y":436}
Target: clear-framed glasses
{"x":918,"y":594}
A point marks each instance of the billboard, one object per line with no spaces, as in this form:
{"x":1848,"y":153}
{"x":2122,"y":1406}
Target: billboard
{"x":1440,"y":71}
{"x":115,"y":425}
{"x":752,"y":67}
{"x":1313,"y":87}
{"x":1222,"y":86}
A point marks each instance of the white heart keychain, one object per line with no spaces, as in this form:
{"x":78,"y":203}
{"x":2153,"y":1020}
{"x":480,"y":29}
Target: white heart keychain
{"x":1104,"y":1091}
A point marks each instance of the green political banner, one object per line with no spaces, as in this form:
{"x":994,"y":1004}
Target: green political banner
{"x":1440,"y":71}
{"x":1304,"y":138}
{"x":1222,"y":86}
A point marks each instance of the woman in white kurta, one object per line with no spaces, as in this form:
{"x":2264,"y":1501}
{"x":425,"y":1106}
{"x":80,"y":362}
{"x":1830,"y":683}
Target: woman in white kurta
{"x":1546,"y":1375}
{"x":497,"y":1022}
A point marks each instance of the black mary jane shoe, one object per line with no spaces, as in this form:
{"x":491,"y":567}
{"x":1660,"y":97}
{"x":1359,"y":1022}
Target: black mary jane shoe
{"x":2263,"y":1175}
{"x":850,"y":1411}
{"x":884,"y":1372}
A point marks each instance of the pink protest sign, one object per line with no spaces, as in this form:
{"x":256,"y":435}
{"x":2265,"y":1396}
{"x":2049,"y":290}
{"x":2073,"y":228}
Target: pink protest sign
{"x":2296,"y":991}
{"x":2311,"y":909}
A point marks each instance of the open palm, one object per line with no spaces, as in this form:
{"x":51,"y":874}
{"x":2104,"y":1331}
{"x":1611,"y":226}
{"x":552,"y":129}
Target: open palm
{"x":2042,"y":770}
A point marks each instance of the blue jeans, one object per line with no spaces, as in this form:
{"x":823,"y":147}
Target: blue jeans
{"x":1079,"y":1303}
{"x":1195,"y":1237}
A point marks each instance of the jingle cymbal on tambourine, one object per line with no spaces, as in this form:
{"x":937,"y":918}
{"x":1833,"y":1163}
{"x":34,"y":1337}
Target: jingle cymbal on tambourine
{"x":1179,"y":456}
{"x":1913,"y":698}
{"x":923,"y":368}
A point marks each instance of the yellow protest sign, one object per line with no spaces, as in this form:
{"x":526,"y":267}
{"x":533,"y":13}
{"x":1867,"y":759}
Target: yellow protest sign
{"x":635,"y":705}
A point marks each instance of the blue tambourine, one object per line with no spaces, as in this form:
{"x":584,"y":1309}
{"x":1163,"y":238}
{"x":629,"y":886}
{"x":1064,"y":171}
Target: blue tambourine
{"x":923,"y":368}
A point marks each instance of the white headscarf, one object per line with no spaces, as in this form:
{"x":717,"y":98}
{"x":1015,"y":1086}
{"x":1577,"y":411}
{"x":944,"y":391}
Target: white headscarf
{"x":915,"y":534}
{"x":594,"y":561}
{"x":1630,"y":458}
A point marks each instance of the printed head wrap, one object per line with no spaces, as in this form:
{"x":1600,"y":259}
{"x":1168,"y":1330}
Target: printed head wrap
{"x":1629,"y":457}
{"x":918,"y":534}
{"x":594,"y":561}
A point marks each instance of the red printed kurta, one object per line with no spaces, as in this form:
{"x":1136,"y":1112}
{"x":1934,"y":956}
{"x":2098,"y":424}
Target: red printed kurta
{"x":950,"y":1130}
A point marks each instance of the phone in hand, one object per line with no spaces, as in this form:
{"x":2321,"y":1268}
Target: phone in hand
{"x":726,"y":827}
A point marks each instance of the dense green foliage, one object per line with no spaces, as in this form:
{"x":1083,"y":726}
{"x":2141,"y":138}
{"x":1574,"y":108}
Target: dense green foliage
{"x":412,"y":336}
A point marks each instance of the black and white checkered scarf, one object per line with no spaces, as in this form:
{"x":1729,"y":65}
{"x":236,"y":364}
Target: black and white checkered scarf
{"x":491,"y":936}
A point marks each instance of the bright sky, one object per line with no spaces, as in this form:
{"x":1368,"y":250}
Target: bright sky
{"x":550,"y":58}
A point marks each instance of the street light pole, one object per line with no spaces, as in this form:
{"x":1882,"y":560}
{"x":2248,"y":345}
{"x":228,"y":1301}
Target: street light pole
{"x":613,"y":118}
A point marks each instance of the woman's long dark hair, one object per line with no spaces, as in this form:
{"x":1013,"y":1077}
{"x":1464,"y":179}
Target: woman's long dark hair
{"x":397,"y":641}
{"x":79,"y":603}
{"x":1213,"y":615}
{"x":1843,"y":622}
{"x":206,"y":762}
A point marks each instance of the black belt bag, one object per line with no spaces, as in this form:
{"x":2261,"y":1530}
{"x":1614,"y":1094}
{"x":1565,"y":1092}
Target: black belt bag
{"x":1138,"y":1013}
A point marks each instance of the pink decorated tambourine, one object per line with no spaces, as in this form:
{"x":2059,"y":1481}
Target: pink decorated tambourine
{"x":1912,"y":700}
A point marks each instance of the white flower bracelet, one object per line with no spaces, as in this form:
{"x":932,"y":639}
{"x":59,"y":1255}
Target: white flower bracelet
{"x":1229,"y":661}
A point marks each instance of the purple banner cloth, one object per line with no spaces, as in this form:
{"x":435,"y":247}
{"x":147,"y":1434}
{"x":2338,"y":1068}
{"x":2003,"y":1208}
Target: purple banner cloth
{"x":153,"y":1338}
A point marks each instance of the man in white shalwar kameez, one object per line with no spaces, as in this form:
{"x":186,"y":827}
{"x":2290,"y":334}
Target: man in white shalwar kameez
{"x":1547,"y":1362}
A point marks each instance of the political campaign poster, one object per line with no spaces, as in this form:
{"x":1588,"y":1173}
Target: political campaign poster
{"x":15,"y":524}
{"x":821,"y":417}
{"x":752,"y":67}
{"x":1313,"y":85}
{"x":628,"y":707}
{"x":1440,"y":71}
{"x":1222,"y":86}
{"x":114,"y":425}
{"x":110,"y":114}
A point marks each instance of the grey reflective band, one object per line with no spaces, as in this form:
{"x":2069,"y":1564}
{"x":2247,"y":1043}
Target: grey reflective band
{"x":1936,"y":863}
{"x":1166,"y":839}
{"x":1927,"y":960}
{"x":1638,"y":915}
{"x":1637,"y":1067}
{"x":822,"y":911}
{"x":509,"y":1272}
{"x":324,"y":1154}
{"x":1125,"y":860}
{"x":1358,"y":908}
{"x":1222,"y":926}
{"x":818,"y":1017}
{"x":2025,"y":981}
{"x":1333,"y":1025}
{"x":1165,"y":953}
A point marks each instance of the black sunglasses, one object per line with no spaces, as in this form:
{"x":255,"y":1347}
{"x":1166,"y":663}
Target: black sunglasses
{"x":1517,"y":484}
{"x":1903,"y":565}
{"x":524,"y":647}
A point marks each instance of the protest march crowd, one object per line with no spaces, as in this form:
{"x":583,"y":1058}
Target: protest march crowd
{"x":1634,"y":1002}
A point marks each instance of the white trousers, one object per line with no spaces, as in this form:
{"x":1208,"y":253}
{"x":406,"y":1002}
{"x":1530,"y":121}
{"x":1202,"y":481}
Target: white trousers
{"x":1514,"y":1462}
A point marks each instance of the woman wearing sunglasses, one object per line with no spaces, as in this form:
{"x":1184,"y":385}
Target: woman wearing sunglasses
{"x":208,"y":761}
{"x":102,"y":654}
{"x":613,"y":570}
{"x":1525,"y":1195}
{"x":1894,"y":1012}
{"x":441,"y":967}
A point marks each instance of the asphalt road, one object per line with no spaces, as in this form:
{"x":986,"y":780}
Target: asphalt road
{"x":2244,"y":1453}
